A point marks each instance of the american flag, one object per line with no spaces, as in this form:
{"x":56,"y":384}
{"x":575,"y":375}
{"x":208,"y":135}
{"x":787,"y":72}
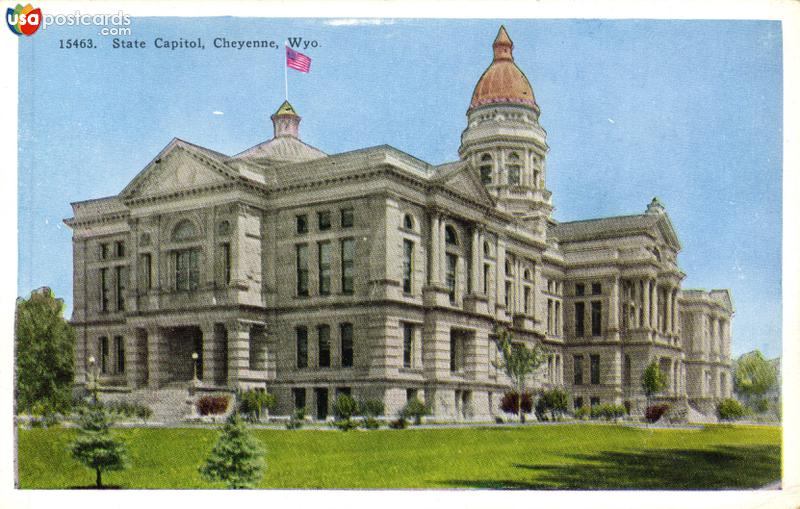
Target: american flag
{"x":297,"y":61}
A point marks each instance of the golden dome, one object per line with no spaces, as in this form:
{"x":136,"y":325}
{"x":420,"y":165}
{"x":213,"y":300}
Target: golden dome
{"x":503,"y":81}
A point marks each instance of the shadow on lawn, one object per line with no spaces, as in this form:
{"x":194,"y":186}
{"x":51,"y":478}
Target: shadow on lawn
{"x":726,"y":467}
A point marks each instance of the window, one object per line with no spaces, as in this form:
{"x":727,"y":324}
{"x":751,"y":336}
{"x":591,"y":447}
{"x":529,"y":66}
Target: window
{"x":144,"y":239}
{"x":348,"y":253}
{"x":577,"y":403}
{"x":302,"y":227}
{"x":408,"y":345}
{"x":301,"y":335}
{"x":408,"y":264}
{"x":487,"y":250}
{"x":224,"y":228}
{"x":626,"y":371}
{"x":324,"y":338}
{"x":225,"y":255}
{"x":324,"y":220}
{"x":347,"y":218}
{"x":120,"y":273}
{"x":594,"y":368}
{"x":184,"y":230}
{"x":597,"y":315}
{"x":450,"y":236}
{"x":324,"y":262}
{"x":119,"y":249}
{"x":577,"y":367}
{"x":513,"y":175}
{"x":580,"y":307}
{"x":456,"y":352}
{"x":594,"y":401}
{"x":146,"y":268}
{"x":302,"y":269}
{"x":103,"y":355}
{"x":597,"y":288}
{"x":408,"y":222}
{"x":486,"y":169}
{"x":187,"y":273}
{"x":299,"y":396}
{"x":104,"y":290}
{"x":526,"y":297}
{"x":486,"y":271}
{"x":580,"y":289}
{"x":103,"y":251}
{"x":119,"y":348}
{"x":346,"y":335}
{"x":411,"y":394}
{"x":450,"y":276}
{"x":508,"y":294}
{"x":343,"y":391}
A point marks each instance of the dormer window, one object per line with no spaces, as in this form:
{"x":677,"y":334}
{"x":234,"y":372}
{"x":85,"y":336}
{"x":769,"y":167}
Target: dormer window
{"x":408,"y":222}
{"x":486,"y":169}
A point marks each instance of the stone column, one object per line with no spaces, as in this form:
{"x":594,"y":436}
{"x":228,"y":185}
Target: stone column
{"x":210,"y":360}
{"x":443,"y":251}
{"x":156,"y":352}
{"x":654,"y":306}
{"x":646,"y":303}
{"x":668,"y":318}
{"x":613,"y":311}
{"x":238,"y":350}
{"x":434,"y":272}
{"x":476,"y":261}
{"x":637,"y":307}
{"x":500,"y":278}
{"x":676,"y":313}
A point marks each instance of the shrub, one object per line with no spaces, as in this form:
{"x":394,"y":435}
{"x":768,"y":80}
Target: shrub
{"x":415,"y":409}
{"x":370,"y":423}
{"x":582,"y":413}
{"x":143,"y":412}
{"x":761,"y":406}
{"x":345,"y":407}
{"x":399,"y":423}
{"x":729,"y":410}
{"x":654,"y":412}
{"x":555,"y":401}
{"x":510,"y":403}
{"x":253,"y":403}
{"x":297,"y":419}
{"x":212,"y":405}
{"x":371,"y":408}
{"x":607,"y":411}
{"x":345,"y":424}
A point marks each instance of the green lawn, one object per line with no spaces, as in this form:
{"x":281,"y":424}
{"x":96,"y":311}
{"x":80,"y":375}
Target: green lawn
{"x":535,"y":457}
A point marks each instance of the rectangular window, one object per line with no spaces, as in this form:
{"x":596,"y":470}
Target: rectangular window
{"x":301,"y":334}
{"x":580,"y":308}
{"x":146,"y":269}
{"x":119,"y":348}
{"x":324,"y":220}
{"x":597,"y":315}
{"x":346,"y":333}
{"x":408,"y":345}
{"x":577,"y":368}
{"x":594,"y":365}
{"x":348,"y":254}
{"x":597,"y":289}
{"x":299,"y":396}
{"x":302,"y":226}
{"x":513,"y":175}
{"x":119,"y":249}
{"x":594,"y":401}
{"x":225,"y":254}
{"x":486,"y":272}
{"x":580,"y":289}
{"x":324,"y":338}
{"x":103,"y":251}
{"x":486,"y":174}
{"x":526,"y":297}
{"x":347,"y":218}
{"x":558,"y":318}
{"x":408,"y":264}
{"x":302,"y":269}
{"x":450,"y":276}
{"x":508,"y":295}
{"x":187,"y":273}
{"x":453,"y":352}
{"x":104,"y":355}
{"x":577,"y":403}
{"x":121,"y":275}
{"x":324,"y":263}
{"x":104,"y":290}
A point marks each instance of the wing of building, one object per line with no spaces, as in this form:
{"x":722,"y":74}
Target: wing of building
{"x":377,"y":274}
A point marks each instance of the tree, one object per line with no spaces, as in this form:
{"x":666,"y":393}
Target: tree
{"x":44,"y":355}
{"x":754,"y":376}
{"x":653,"y":380}
{"x":94,"y":446}
{"x":518,"y":360}
{"x":237,"y":458}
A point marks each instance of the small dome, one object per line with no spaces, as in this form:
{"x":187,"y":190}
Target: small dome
{"x":503,"y":81}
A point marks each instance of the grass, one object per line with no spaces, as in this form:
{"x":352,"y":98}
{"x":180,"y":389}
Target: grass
{"x":566,"y":456}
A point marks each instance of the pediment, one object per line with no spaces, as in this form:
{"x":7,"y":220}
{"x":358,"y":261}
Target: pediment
{"x":464,"y":181}
{"x":666,"y":232}
{"x":178,"y":167}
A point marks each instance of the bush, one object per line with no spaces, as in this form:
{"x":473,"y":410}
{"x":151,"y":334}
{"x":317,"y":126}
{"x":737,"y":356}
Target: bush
{"x":555,"y":401}
{"x":399,"y":423}
{"x":143,"y":412}
{"x":253,"y":403}
{"x":345,"y":407}
{"x":371,"y":408}
{"x":212,"y":405}
{"x":654,"y":412}
{"x":729,"y":410}
{"x":345,"y":424}
{"x":370,"y":423}
{"x":761,"y":406}
{"x":510,"y":403}
{"x":582,"y":413}
{"x":297,"y":419}
{"x":607,"y":411}
{"x":416,"y":410}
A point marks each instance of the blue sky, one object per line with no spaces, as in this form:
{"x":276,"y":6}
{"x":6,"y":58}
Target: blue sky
{"x":689,"y":111}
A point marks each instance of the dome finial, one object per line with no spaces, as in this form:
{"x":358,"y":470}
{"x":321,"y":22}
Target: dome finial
{"x":503,"y":45}
{"x":286,"y":121}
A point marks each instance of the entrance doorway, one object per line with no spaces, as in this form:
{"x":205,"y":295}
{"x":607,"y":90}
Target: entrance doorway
{"x":322,"y":403}
{"x":182,"y":342}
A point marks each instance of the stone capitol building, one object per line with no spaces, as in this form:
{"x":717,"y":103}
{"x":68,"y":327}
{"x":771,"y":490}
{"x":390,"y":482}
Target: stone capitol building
{"x":376,"y":274}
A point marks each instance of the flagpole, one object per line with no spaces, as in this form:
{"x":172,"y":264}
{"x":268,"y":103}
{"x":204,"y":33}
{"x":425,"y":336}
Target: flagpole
{"x":285,"y":74}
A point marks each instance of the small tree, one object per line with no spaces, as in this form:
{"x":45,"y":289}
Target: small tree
{"x":555,"y":401}
{"x":518,"y":360}
{"x":416,"y":410}
{"x":754,"y":377}
{"x":729,"y":410}
{"x":653,"y":380}
{"x":237,"y":458}
{"x":253,"y":404}
{"x":94,"y":446}
{"x":344,"y":408}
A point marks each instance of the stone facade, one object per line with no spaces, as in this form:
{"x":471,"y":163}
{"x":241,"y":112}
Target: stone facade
{"x":377,"y":274}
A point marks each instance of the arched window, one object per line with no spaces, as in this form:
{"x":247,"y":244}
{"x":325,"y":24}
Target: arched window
{"x":184,"y":230}
{"x":487,"y":250}
{"x":657,"y":253}
{"x":408,"y":222}
{"x":508,"y":267}
{"x":527,"y":274}
{"x":486,"y":169}
{"x":224,"y":228}
{"x":513,"y":156}
{"x":144,"y":239}
{"x":450,"y":236}
{"x":514,"y":169}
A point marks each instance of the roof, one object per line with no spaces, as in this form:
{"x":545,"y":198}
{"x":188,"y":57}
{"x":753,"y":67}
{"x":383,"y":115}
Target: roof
{"x":282,"y":148}
{"x":502,"y":81}
{"x":604,"y":226}
{"x":285,"y":109}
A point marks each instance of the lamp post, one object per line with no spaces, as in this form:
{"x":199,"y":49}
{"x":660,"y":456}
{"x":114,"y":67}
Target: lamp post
{"x":94,"y":382}
{"x":195,"y":356}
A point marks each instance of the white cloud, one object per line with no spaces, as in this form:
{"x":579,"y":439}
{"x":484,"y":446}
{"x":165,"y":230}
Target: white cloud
{"x":217,"y":112}
{"x":358,"y":21}
{"x":610,"y":120}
